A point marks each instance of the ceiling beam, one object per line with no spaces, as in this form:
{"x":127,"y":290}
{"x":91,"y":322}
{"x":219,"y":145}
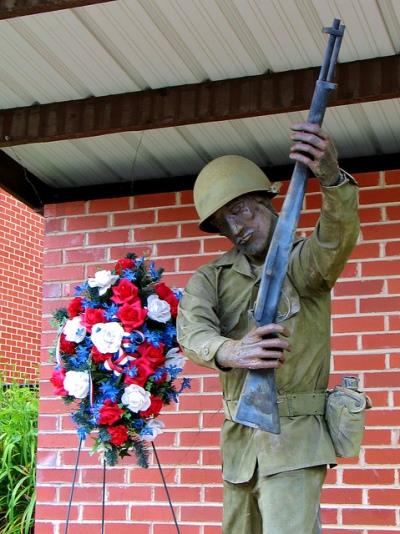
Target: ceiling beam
{"x":19,"y":8}
{"x":35,"y":193}
{"x":284,"y":92}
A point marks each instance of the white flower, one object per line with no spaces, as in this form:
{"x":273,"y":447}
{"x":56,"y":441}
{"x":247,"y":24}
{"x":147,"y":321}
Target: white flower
{"x":74,"y":330}
{"x":158,"y":310}
{"x":76,"y":383}
{"x":175,"y":358}
{"x":136,"y":398}
{"x":156,"y":426}
{"x":107,"y":337}
{"x":103,"y":280}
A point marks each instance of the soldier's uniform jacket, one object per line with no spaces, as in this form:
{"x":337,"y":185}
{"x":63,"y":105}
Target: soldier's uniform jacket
{"x":215,"y":308}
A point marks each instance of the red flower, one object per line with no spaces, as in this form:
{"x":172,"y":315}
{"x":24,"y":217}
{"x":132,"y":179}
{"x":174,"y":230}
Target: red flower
{"x":110,"y":412}
{"x":132,"y":315}
{"x":154,"y":355}
{"x":143,"y":370}
{"x":57,"y":379}
{"x":125,"y":292}
{"x":67,"y":346}
{"x":124,"y":263}
{"x":99,"y":357}
{"x":75,"y":307}
{"x":165,"y":293}
{"x":154,"y":408}
{"x":118,"y":434}
{"x":93,"y":316}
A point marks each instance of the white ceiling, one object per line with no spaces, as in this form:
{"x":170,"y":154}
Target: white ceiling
{"x":131,"y":45}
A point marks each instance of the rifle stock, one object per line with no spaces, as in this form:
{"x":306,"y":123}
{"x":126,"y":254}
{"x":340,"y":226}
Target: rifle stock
{"x":257,"y":406}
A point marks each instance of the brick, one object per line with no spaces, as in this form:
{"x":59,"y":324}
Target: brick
{"x":392,"y":177}
{"x":367,"y":179}
{"x":377,"y":437}
{"x":385,"y":497}
{"x":217,"y":244}
{"x":343,"y":306}
{"x":358,"y":324}
{"x":120,"y":252}
{"x":201,"y":513}
{"x":108,"y":236}
{"x":134,"y":218}
{"x":200,"y":476}
{"x":63,"y":241}
{"x":394,"y":286}
{"x":379,"y":398}
{"x":53,"y":225}
{"x":359,"y":362}
{"x":367,"y":476}
{"x":383,"y":341}
{"x":72,"y":272}
{"x":150,"y":513}
{"x":155,"y":233}
{"x":382,"y":456}
{"x":392,"y":213}
{"x":383,"y":304}
{"x":308,"y":220}
{"x":344,"y":343}
{"x":87,"y":222}
{"x":112,"y":512}
{"x":389,"y":379}
{"x":381,"y":196}
{"x":370,"y":516}
{"x":368,"y":215}
{"x":109,"y":204}
{"x":178,"y":248}
{"x":392,"y":248}
{"x":381,"y":268}
{"x":44,"y":528}
{"x":178,"y":494}
{"x":85,"y":255}
{"x":381,"y":231}
{"x":204,"y":438}
{"x":341,"y":496}
{"x":362,"y":287}
{"x":186,"y":197}
{"x":53,"y":257}
{"x":52,"y":290}
{"x":192,"y":230}
{"x":187,"y":213}
{"x":68,"y":208}
{"x":155,"y":200}
{"x":46,"y":511}
{"x":328,"y":516}
{"x":382,"y":417}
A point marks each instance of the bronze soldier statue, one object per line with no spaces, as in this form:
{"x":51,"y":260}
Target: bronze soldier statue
{"x":272,"y":482}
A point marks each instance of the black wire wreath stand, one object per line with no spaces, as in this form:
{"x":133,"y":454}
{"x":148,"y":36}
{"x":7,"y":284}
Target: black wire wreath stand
{"x":104,"y":490}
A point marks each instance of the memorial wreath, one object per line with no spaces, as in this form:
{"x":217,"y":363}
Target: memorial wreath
{"x":117,"y":357}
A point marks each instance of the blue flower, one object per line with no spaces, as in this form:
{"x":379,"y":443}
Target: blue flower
{"x":155,"y":275}
{"x":81,"y":289}
{"x":129,"y":275}
{"x":86,"y":303}
{"x":178,"y":293}
{"x":174,"y":371}
{"x":185,"y":384}
{"x":109,"y":390}
{"x":154,"y":337}
{"x":159,"y":373}
{"x":138,"y":424}
{"x":169,"y":335}
{"x":110,"y":311}
{"x":82,"y":433}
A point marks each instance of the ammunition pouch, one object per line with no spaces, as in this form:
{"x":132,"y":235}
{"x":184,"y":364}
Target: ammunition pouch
{"x":289,"y":405}
{"x":345,"y":417}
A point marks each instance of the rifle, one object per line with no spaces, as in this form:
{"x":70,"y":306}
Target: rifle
{"x":257,"y":406}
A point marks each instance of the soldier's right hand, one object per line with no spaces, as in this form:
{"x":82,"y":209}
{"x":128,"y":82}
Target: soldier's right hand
{"x":261,"y":348}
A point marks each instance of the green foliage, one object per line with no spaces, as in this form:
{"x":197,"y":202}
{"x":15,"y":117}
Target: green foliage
{"x":18,"y":437}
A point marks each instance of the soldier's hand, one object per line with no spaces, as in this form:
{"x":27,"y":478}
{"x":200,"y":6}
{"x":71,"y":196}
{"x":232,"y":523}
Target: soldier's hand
{"x":261,"y":348}
{"x":314,"y":148}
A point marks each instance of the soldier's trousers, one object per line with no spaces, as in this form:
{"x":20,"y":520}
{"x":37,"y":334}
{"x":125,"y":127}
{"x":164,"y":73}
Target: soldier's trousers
{"x":285,"y":503}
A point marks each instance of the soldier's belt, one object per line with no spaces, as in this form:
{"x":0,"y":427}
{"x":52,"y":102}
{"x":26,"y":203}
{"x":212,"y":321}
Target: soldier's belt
{"x":289,"y":405}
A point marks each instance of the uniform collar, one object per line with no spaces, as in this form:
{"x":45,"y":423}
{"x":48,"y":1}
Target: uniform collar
{"x":237,"y":261}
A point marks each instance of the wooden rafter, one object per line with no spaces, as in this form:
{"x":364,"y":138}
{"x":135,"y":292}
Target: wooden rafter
{"x":359,"y":81}
{"x":19,"y":8}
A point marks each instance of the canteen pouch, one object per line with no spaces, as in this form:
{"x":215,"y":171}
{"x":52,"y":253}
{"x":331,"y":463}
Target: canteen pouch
{"x":345,"y":417}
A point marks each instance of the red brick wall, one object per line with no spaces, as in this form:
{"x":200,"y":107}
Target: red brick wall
{"x":21,"y":255}
{"x":360,"y":496}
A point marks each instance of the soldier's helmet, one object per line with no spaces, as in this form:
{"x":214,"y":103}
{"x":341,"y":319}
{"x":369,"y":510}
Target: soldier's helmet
{"x":224,"y":179}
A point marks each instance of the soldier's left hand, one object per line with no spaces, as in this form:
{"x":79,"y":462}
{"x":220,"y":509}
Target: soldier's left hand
{"x":314,"y":148}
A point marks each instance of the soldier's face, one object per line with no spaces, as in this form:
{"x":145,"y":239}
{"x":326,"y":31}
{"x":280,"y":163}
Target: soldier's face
{"x":248,"y":223}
